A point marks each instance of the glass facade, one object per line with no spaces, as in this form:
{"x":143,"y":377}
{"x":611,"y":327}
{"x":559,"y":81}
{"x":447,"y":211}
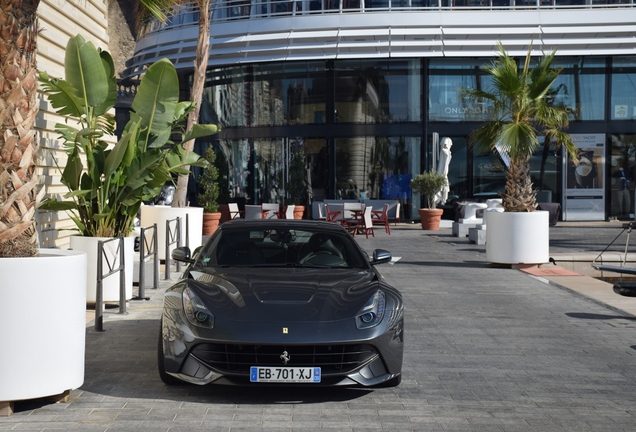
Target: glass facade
{"x":623,"y":100}
{"x":354,"y":129}
{"x":377,"y":91}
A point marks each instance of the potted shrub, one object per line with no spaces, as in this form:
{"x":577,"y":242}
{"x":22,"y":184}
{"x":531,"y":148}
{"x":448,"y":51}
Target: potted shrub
{"x":209,"y":193}
{"x":520,"y":98}
{"x":107,"y":184}
{"x":429,"y":183}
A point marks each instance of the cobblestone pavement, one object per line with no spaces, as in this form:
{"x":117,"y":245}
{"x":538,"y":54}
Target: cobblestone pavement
{"x":487,"y":349}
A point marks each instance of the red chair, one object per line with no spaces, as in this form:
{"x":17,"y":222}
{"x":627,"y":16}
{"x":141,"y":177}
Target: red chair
{"x":270,"y":211}
{"x":235,"y":213}
{"x":332,"y":215}
{"x":381,"y":217}
{"x":363,"y":224}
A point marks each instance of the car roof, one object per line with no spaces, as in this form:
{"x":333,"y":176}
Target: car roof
{"x":299,"y":224}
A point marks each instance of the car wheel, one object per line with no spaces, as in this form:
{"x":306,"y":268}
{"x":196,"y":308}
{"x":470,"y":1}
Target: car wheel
{"x":393,"y":382}
{"x":167,"y":379}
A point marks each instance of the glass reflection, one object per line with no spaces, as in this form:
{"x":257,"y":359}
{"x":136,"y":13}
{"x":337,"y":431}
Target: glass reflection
{"x":623,"y":102}
{"x":622,"y":173}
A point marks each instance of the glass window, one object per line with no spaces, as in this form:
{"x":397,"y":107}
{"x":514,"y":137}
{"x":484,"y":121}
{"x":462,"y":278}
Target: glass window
{"x":287,"y":94}
{"x":489,"y":175}
{"x":377,"y":91}
{"x":623,"y":175}
{"x":580,"y":87}
{"x":269,"y":171}
{"x":545,"y":172}
{"x":377,"y":168}
{"x":623,"y":102}
{"x":237,"y":156}
{"x":376,"y":4}
{"x":447,"y":78}
{"x":225,"y":100}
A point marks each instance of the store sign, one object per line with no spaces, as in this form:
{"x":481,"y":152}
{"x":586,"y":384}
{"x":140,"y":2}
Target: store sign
{"x":584,"y":198}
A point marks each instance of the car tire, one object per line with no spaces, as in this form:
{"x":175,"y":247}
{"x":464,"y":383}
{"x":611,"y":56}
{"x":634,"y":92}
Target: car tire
{"x":166,"y":378}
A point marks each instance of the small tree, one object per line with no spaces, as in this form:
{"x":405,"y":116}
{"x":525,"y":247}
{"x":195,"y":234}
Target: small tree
{"x":520,"y":97}
{"x":428,"y":183}
{"x":208,"y":198}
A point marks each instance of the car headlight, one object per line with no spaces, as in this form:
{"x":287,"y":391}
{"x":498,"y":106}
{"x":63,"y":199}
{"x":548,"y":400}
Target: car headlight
{"x":372,"y":312}
{"x":196,"y":312}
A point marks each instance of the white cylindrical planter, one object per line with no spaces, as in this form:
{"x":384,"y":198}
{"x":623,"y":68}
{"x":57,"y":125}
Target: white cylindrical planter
{"x":160,"y":214}
{"x":111,"y":283}
{"x":42,"y":324}
{"x":518,"y":238}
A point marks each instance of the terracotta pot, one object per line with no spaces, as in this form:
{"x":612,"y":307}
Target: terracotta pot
{"x":299,"y":211}
{"x":430,"y":218}
{"x":210,"y":223}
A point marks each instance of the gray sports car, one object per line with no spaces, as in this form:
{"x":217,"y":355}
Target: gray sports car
{"x":293,"y":302}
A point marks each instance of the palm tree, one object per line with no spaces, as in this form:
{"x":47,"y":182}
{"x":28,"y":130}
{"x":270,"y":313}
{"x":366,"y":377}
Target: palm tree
{"x":160,"y":9}
{"x":520,"y":99}
{"x":19,"y":192}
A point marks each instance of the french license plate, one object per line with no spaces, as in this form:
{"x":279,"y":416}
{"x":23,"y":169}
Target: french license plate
{"x":285,"y":374}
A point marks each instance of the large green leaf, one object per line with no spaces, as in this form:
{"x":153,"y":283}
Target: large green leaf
{"x":157,"y":96}
{"x":84,"y":70}
{"x":54,"y":205}
{"x":62,"y":95}
{"x":111,"y":97}
{"x":200,"y":130}
{"x":72,"y":171}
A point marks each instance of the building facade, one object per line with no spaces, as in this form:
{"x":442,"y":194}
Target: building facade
{"x":350,"y":97}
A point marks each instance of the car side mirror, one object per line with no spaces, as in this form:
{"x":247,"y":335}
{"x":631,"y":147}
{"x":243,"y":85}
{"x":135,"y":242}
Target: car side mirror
{"x":381,"y":256}
{"x":182,"y":254}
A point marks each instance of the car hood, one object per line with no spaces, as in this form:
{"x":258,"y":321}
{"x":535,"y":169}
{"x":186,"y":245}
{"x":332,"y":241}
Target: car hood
{"x":269,"y":294}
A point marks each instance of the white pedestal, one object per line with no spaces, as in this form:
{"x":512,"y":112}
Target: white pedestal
{"x":460,"y":229}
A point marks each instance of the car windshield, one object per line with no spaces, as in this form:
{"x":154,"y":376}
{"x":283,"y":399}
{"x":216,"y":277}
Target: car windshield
{"x":281,"y":248}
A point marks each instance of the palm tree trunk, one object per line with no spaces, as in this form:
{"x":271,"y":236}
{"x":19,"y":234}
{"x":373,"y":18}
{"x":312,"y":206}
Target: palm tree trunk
{"x":18,"y":147}
{"x":200,"y":67}
{"x":519,"y":196}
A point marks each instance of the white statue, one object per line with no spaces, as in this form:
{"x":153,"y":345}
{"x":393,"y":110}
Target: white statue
{"x":442,"y":167}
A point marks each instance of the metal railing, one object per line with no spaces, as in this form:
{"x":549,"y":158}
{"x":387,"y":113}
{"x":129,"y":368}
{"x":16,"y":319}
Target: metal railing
{"x":147,"y":250}
{"x":173,"y":237}
{"x":232,"y":10}
{"x":112,"y":269}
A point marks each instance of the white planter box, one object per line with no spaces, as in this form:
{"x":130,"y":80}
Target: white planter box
{"x":111,"y":283}
{"x":42,"y":324}
{"x":160,"y":214}
{"x":518,"y":238}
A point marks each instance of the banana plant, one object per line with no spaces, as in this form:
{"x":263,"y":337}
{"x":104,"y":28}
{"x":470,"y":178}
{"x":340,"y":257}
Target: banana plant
{"x":107,"y":184}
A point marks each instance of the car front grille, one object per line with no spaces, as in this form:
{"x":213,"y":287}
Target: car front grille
{"x":237,"y":359}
